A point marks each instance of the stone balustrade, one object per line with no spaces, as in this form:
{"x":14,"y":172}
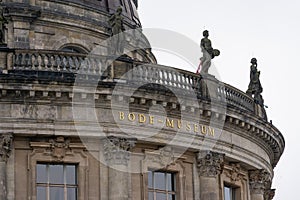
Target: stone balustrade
{"x":135,"y":72}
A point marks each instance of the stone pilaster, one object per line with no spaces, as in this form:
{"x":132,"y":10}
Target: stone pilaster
{"x":210,"y":166}
{"x":117,"y":156}
{"x":258,"y":179}
{"x":5,"y":149}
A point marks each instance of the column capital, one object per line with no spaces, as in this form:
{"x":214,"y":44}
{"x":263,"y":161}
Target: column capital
{"x":5,"y":146}
{"x":210,"y":164}
{"x":258,"y":180}
{"x":117,"y":150}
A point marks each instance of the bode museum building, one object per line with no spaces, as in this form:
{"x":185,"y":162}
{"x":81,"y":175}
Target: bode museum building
{"x":87,"y":113}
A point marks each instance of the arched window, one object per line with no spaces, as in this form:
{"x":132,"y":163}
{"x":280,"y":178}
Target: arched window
{"x":73,"y":49}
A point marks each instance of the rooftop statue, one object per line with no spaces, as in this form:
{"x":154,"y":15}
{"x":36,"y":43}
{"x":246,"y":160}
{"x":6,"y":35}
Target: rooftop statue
{"x":117,"y":27}
{"x":255,"y":87}
{"x":208,"y":53}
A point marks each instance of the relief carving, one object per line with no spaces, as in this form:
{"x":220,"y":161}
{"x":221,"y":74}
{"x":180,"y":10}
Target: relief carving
{"x":5,"y":146}
{"x":117,"y":150}
{"x":59,"y":147}
{"x":210,"y":164}
{"x":258,"y":180}
{"x":164,"y":156}
{"x":234,"y":173}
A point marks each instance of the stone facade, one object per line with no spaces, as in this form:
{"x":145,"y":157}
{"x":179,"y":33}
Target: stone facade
{"x":119,"y":120}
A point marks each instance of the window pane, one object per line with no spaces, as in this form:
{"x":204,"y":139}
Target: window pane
{"x":72,"y":193}
{"x":227,"y":195}
{"x":41,"y":193}
{"x":159,"y":181}
{"x":71,"y":174}
{"x":150,"y":196}
{"x":56,"y":174}
{"x":56,"y":193}
{"x":161,"y":196}
{"x":41,"y":173}
{"x":170,"y":182}
{"x":150,"y":179}
{"x":171,"y":197}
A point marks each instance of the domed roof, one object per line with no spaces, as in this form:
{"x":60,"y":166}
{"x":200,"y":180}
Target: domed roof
{"x":129,"y":8}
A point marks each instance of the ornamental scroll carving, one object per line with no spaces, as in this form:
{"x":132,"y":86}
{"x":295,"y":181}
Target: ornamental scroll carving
{"x":210,"y":164}
{"x":258,"y":180}
{"x":164,"y":156}
{"x":235,"y":173}
{"x":5,"y":146}
{"x":59,"y":147}
{"x":117,"y":150}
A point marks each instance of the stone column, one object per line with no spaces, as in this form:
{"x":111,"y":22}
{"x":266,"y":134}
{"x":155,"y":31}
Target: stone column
{"x":117,"y":155}
{"x":5,"y":148}
{"x":210,"y":166}
{"x":258,"y":180}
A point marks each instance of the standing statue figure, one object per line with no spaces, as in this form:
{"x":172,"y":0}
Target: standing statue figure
{"x":3,"y":21}
{"x":255,"y":87}
{"x":117,"y":35}
{"x":208,"y":53}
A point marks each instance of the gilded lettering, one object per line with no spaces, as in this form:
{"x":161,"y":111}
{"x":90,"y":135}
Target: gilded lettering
{"x":188,"y":126}
{"x":169,"y":123}
{"x":122,"y":116}
{"x":179,"y":124}
{"x":131,"y":117}
{"x":151,"y":119}
{"x":196,"y":128}
{"x":211,"y":131}
{"x":203,"y":130}
{"x":142,"y":118}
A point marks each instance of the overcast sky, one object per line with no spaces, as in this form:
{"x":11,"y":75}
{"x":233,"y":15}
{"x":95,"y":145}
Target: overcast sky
{"x":268,"y":30}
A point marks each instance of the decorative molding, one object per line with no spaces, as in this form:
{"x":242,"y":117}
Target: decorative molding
{"x":59,"y":147}
{"x":5,"y":146}
{"x":117,"y":150}
{"x":258,"y":180}
{"x":164,"y":156}
{"x":234,"y":173}
{"x":269,"y":194}
{"x":210,"y":164}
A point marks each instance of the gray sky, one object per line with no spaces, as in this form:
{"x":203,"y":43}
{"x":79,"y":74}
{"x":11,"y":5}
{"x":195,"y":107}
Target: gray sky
{"x":268,"y":30}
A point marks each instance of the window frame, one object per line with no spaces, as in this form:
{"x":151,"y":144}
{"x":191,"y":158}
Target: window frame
{"x":154,"y":190}
{"x":65,"y":185}
{"x":233,"y":191}
{"x":40,"y":154}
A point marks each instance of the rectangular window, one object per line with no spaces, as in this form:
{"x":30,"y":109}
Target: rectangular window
{"x":56,"y":182}
{"x":229,"y":193}
{"x":161,"y":185}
